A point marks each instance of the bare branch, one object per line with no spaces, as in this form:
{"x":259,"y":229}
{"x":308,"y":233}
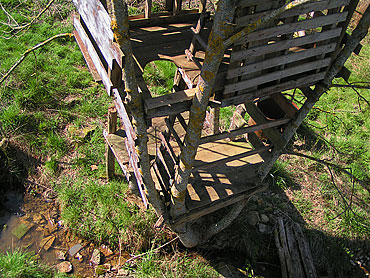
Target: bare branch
{"x":28,"y":51}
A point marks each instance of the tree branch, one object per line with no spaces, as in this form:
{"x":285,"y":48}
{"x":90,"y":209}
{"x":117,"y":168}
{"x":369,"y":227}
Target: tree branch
{"x":28,"y":51}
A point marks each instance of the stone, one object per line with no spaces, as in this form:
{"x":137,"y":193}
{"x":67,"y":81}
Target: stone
{"x":47,"y":242}
{"x":123,"y":272}
{"x":95,"y":258}
{"x":75,"y":249}
{"x":253,"y":218}
{"x":264,"y":229}
{"x":64,"y":267}
{"x":264,"y":218}
{"x":21,"y":229}
{"x":79,"y":257}
{"x":60,"y":255}
{"x":105,"y":250}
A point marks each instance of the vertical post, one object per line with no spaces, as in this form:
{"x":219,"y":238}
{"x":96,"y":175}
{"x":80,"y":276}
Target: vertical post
{"x":216,"y":120}
{"x":148,"y":8}
{"x":112,"y":128}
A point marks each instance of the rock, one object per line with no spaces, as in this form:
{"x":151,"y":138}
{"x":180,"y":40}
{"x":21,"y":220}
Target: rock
{"x":253,"y":218}
{"x":105,"y":250}
{"x":22,"y":228}
{"x":95,"y":258}
{"x":75,"y":249}
{"x":64,"y":267}
{"x":60,"y":255}
{"x":264,"y":229}
{"x":79,"y":257}
{"x":264,"y":218}
{"x":123,"y":272}
{"x":47,"y":242}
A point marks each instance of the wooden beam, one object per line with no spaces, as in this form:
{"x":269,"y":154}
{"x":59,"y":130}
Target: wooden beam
{"x":112,"y":128}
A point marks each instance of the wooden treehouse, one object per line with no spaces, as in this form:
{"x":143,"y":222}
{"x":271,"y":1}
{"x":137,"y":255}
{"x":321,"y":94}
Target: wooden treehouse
{"x":238,"y":63}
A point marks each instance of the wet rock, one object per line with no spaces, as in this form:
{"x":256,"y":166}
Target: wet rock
{"x":264,"y":218}
{"x":64,"y":267}
{"x":264,"y":229}
{"x":75,"y":249}
{"x":47,"y":242}
{"x":95,"y":258}
{"x":253,"y":218}
{"x":60,"y":255}
{"x":22,"y":228}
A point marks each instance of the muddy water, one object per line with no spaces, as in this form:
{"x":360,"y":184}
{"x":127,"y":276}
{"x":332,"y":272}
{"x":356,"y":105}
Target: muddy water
{"x":32,"y":224}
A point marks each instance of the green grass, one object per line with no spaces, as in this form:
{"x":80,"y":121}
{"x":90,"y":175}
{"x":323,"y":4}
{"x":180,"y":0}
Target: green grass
{"x":18,"y":264}
{"x":159,"y":76}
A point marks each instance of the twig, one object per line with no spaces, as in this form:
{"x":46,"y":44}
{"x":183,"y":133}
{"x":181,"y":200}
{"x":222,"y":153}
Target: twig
{"x":35,"y":18}
{"x":154,"y":250}
{"x":350,"y":86}
{"x":337,"y":167}
{"x":28,"y":51}
{"x":8,"y":14}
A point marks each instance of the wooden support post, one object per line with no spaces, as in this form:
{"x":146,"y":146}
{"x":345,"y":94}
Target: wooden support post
{"x":148,"y":8}
{"x":216,"y":120}
{"x":112,"y":128}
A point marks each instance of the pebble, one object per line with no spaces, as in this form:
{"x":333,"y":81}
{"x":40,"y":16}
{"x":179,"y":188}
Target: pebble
{"x":64,"y":267}
{"x":264,"y":229}
{"x":95,"y":258}
{"x":79,"y":257}
{"x":253,"y":218}
{"x":264,"y":218}
{"x":60,"y":255}
{"x":75,"y":249}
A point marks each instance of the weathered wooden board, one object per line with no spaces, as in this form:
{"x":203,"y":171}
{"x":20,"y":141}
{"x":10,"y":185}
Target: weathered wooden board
{"x":87,"y":57}
{"x":286,"y":44}
{"x":164,"y":18}
{"x":281,"y":60}
{"x":297,"y":82}
{"x":276,"y":75}
{"x":273,"y":134}
{"x":299,"y":10}
{"x":248,"y":3}
{"x":293,"y":27}
{"x":257,"y":144}
{"x":98,"y":22}
{"x":94,"y":56}
{"x":243,"y":130}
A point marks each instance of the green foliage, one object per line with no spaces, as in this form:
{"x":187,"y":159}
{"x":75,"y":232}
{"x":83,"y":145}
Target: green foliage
{"x":21,"y":264}
{"x":159,"y":76}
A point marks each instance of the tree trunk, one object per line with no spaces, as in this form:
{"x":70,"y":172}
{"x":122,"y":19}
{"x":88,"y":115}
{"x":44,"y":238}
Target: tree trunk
{"x":120,"y":27}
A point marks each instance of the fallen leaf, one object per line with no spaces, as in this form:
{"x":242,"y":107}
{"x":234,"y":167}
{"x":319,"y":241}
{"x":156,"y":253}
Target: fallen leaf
{"x":94,"y":167}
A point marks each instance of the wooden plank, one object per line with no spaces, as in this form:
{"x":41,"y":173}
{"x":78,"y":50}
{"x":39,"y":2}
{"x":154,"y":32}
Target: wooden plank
{"x":299,"y":10}
{"x":169,"y":148}
{"x":130,"y":133}
{"x":167,"y":100}
{"x":174,"y":133}
{"x":230,"y":158}
{"x":280,"y":60}
{"x":257,"y":144}
{"x":219,"y":204}
{"x":112,"y":128}
{"x":284,"y":104}
{"x":293,"y":27}
{"x":98,"y":22}
{"x":87,"y":57}
{"x":94,"y":56}
{"x":248,"y":3}
{"x":243,"y":130}
{"x":303,"y":81}
{"x":286,"y":44}
{"x":275,"y":136}
{"x":117,"y":145}
{"x":189,"y":16}
{"x":148,"y":8}
{"x":276,"y":75}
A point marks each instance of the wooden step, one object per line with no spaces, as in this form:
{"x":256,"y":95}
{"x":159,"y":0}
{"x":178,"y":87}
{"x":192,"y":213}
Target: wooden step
{"x":271,"y":133}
